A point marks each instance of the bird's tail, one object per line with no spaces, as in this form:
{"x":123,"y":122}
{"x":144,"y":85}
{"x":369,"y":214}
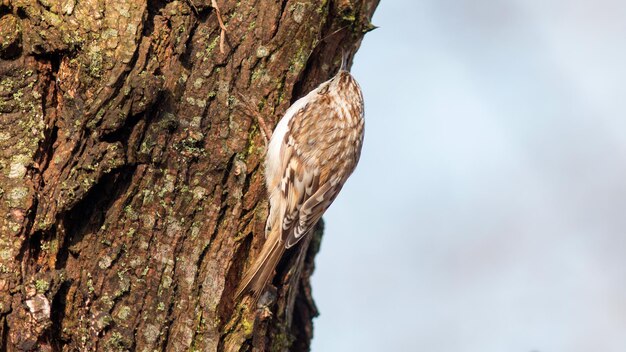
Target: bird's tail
{"x":262,"y":269}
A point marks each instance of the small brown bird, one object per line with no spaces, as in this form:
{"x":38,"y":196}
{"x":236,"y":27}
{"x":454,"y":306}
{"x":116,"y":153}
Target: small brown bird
{"x":311,"y":154}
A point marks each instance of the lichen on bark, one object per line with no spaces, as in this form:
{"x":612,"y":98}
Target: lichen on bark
{"x":131,"y":178}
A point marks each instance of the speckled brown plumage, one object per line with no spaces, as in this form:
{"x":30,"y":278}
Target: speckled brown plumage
{"x":311,"y":154}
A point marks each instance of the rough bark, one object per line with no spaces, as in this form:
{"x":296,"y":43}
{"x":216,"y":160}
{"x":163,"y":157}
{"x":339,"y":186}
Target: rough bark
{"x":131,"y":176}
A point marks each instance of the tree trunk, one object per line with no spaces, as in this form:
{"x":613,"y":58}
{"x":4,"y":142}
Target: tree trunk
{"x":131,"y":174}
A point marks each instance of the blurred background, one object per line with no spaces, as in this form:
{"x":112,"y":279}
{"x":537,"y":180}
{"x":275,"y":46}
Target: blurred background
{"x":488,"y":209}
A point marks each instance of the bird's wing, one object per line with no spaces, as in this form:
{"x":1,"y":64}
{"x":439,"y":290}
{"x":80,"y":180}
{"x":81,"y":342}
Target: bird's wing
{"x":299,"y":182}
{"x":312,"y":210}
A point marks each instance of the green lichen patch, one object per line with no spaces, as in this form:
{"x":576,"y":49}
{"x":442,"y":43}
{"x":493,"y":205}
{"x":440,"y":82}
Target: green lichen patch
{"x":117,"y":342}
{"x":123,"y":313}
{"x":105,"y":262}
{"x":262,"y":51}
{"x":10,"y":36}
{"x":151,"y":333}
{"x":17,"y":195}
{"x":42,"y":286}
{"x":17,"y":170}
{"x":298,"y":11}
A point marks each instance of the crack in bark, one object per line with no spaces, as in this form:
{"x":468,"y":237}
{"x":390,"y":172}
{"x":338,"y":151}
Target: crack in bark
{"x":83,"y":215}
{"x":57,"y":316}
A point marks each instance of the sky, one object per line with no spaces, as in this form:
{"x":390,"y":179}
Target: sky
{"x":487,"y":213}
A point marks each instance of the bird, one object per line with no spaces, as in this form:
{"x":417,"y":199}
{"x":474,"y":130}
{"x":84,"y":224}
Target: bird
{"x":313,"y":150}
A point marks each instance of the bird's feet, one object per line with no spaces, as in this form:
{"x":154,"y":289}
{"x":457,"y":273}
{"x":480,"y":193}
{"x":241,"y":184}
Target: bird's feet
{"x":251,"y":110}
